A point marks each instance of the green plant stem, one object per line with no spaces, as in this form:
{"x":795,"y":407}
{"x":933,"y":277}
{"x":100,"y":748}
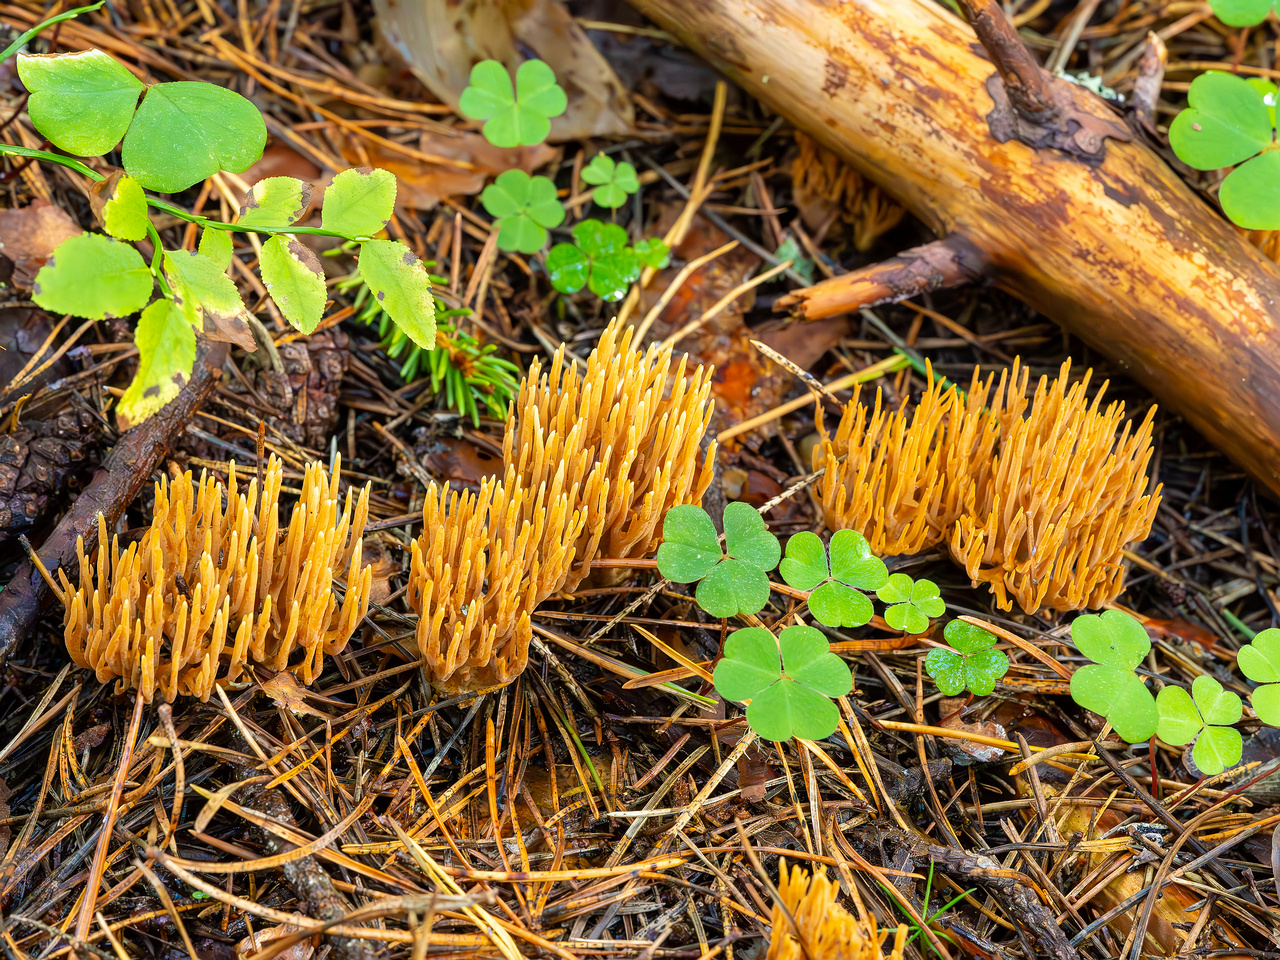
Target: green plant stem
{"x":72,"y":164}
{"x":156,"y":260}
{"x":24,"y":38}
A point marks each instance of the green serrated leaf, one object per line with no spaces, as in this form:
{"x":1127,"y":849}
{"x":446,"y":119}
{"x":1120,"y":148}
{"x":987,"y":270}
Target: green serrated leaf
{"x":400,"y":284}
{"x":514,"y":117}
{"x":568,"y":267}
{"x":524,"y":208}
{"x":82,"y":102}
{"x":1250,"y":195}
{"x":852,"y":561}
{"x":359,"y":202}
{"x":733,"y":587}
{"x":217,"y":246}
{"x":748,"y":538}
{"x":124,"y":214}
{"x":1259,"y":660}
{"x":789,"y":709}
{"x":203,"y":291}
{"x":808,"y":660}
{"x":805,"y":565}
{"x":947,"y":670}
{"x":1217,"y":706}
{"x":1241,"y":13}
{"x":1226,"y":122}
{"x":166,"y":355}
{"x":1218,"y":749}
{"x":835,"y":605}
{"x":1113,"y":638}
{"x":750,"y":663}
{"x":968,"y":638}
{"x":94,"y":277}
{"x":1266,"y":704}
{"x":295,"y":280}
{"x":279,"y":202}
{"x":690,"y":546}
{"x":187,"y":131}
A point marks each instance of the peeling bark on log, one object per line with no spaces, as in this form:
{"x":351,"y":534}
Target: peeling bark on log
{"x":1094,"y":230}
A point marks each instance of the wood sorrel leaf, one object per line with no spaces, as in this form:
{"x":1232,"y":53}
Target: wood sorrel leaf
{"x":94,"y":277}
{"x":968,"y":638}
{"x":1218,"y":749}
{"x":278,"y":202}
{"x":1225,"y":123}
{"x":1259,"y":660}
{"x":653,"y":253}
{"x":401,"y":286}
{"x":748,"y":538}
{"x":732,"y":587}
{"x":1119,"y":695}
{"x":524,"y":208}
{"x":187,"y":131}
{"x":1241,"y":13}
{"x":295,"y":280}
{"x":690,"y":545}
{"x":1266,"y":703}
{"x":514,"y":117}
{"x":359,"y":202}
{"x":613,"y":181}
{"x":82,"y":102}
{"x":789,"y":709}
{"x":805,"y":565}
{"x":976,"y":667}
{"x":947,"y":670}
{"x":1217,"y":706}
{"x":913,"y":603}
{"x":808,"y":660}
{"x":568,"y":267}
{"x":1113,"y":638}
{"x":750,"y":663}
{"x":852,"y":561}
{"x":1250,"y":195}
{"x":836,"y":605}
{"x":166,"y":354}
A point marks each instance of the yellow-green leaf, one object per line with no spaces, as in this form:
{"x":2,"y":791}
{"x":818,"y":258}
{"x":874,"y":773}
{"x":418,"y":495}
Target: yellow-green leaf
{"x":93,"y":276}
{"x":295,"y":279}
{"x":124,"y":215}
{"x":166,"y":355}
{"x":275,"y":202}
{"x":400,"y":284}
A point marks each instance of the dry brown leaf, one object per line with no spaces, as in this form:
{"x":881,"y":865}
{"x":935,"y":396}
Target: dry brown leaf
{"x":442,"y":39}
{"x":287,"y":692}
{"x":30,"y":234}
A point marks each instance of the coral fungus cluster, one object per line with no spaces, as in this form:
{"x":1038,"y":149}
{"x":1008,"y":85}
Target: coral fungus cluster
{"x":808,"y":923}
{"x":591,"y":464}
{"x":1036,"y":498}
{"x":208,"y":588}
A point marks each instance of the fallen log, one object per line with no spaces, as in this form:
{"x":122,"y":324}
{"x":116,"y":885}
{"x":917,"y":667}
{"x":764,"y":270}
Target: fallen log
{"x":1049,"y":192}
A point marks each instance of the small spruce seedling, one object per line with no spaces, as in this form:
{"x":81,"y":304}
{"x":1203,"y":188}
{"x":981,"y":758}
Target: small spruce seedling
{"x":1204,"y":715}
{"x":730,"y":582}
{"x":518,"y":116}
{"x":1116,"y":643}
{"x":1228,"y":122}
{"x":790,"y":681}
{"x":836,"y":599}
{"x":614,"y":181}
{"x":1260,"y":662}
{"x":912,"y":603}
{"x":973,"y":665}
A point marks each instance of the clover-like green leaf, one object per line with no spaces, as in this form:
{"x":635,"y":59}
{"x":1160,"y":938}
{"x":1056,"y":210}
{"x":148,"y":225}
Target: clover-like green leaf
{"x":614,"y":182}
{"x":166,"y":354}
{"x":1207,"y":713}
{"x":514,"y":117}
{"x":359,"y":202}
{"x":748,"y":538}
{"x":294,"y":278}
{"x":402,"y":287}
{"x":968,"y":638}
{"x":187,"y":131}
{"x":1180,"y":721}
{"x":837,"y":605}
{"x":1250,"y":195}
{"x":690,"y":545}
{"x":1218,"y":749}
{"x":805,"y":565}
{"x":1113,"y":638}
{"x":653,"y":253}
{"x":568,"y":267}
{"x":524,"y":209}
{"x":94,"y":277}
{"x":601,"y":260}
{"x":82,"y":102}
{"x":732,"y":587}
{"x":1241,"y":13}
{"x":1219,"y":707}
{"x":1269,"y":93}
{"x":1120,"y":696}
{"x":1266,"y":703}
{"x":975,"y":667}
{"x":913,"y":602}
{"x":853,"y":563}
{"x":789,"y":682}
{"x":1259,"y":660}
{"x":281,"y":201}
{"x":124,"y":211}
{"x":947,"y":670}
{"x":1225,"y":123}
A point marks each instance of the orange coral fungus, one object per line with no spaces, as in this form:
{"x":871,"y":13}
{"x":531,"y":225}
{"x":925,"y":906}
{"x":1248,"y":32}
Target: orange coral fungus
{"x":1066,"y":493}
{"x":822,"y":929}
{"x":208,"y":589}
{"x":628,"y":432}
{"x":482,"y":563}
{"x":825,"y":186}
{"x":884,"y":473}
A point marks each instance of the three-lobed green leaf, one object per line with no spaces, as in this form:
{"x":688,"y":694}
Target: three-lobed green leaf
{"x":524,"y":208}
{"x":911,"y":603}
{"x":833,"y":600}
{"x":789,"y":681}
{"x":729,"y":582}
{"x":514,"y":117}
{"x":599,"y":259}
{"x":613,"y":181}
{"x":1260,"y":662}
{"x":1242,"y":13}
{"x":972,"y":666}
{"x":186,"y":131}
{"x":166,"y":355}
{"x":1206,"y":715}
{"x":82,"y":102}
{"x":94,"y":277}
{"x":1116,"y":643}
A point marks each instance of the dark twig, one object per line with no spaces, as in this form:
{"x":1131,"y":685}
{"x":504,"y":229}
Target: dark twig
{"x":1026,"y":83}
